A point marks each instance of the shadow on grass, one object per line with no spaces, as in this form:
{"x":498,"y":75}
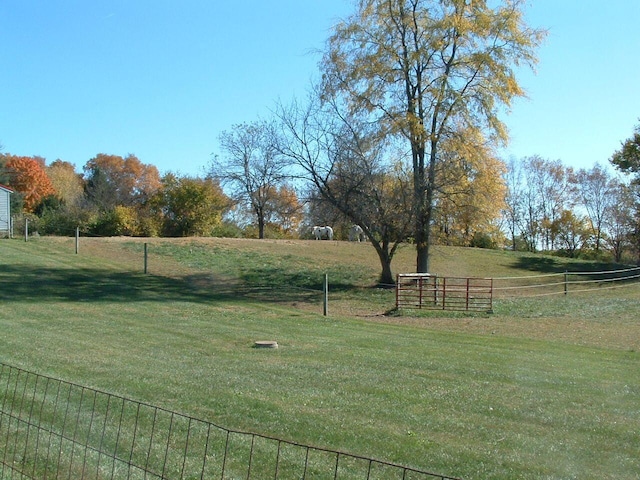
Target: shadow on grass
{"x":545,"y":264}
{"x":27,"y":283}
{"x":283,"y":279}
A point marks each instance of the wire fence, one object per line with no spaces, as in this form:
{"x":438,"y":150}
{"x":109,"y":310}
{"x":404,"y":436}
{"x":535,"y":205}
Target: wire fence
{"x":426,"y":291}
{"x":53,"y":429}
{"x":565,"y":283}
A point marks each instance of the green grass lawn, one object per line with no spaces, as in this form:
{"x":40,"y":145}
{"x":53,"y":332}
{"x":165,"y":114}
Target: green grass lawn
{"x":542,"y":388}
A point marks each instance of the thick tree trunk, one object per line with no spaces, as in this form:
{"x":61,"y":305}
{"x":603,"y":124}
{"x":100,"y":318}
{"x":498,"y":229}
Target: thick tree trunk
{"x":386,"y":275}
{"x":422,"y":246}
{"x":424,"y":186}
{"x":260,"y":215}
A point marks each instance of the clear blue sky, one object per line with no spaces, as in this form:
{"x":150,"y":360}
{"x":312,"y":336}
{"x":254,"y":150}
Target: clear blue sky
{"x":163,"y":78}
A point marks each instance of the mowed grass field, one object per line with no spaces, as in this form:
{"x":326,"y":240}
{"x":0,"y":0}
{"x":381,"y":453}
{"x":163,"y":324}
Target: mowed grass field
{"x":544,"y":387}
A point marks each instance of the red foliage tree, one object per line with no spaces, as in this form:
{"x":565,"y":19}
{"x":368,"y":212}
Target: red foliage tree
{"x":28,"y":176}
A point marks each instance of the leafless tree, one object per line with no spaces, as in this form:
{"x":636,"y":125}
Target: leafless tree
{"x":251,"y":167}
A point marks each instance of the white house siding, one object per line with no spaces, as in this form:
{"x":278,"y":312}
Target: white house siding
{"x":5,"y":210}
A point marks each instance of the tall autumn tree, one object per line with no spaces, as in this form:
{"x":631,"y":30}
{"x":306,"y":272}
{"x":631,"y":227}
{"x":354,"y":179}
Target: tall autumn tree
{"x":27,"y":175}
{"x":66,"y":181}
{"x":113,"y":180}
{"x":425,"y":69}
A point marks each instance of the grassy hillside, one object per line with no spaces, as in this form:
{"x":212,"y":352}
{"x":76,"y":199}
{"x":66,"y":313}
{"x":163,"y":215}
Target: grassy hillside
{"x":543,"y":388}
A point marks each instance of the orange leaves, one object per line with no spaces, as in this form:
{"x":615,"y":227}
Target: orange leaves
{"x":132,"y":181}
{"x":28,"y":176}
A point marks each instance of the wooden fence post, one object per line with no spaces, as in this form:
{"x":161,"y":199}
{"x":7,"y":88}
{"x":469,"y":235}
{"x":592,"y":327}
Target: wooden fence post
{"x":325,"y":290}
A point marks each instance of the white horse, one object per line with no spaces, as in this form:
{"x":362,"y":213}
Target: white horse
{"x":356,"y":234}
{"x":320,"y":233}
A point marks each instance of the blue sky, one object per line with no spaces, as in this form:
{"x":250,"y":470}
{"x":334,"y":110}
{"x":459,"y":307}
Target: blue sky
{"x":162,"y":79}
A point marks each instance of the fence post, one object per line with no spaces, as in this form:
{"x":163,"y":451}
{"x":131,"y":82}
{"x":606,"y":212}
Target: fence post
{"x":325,"y":291}
{"x":397,"y":290}
{"x":444,"y":293}
{"x":435,"y":290}
{"x":77,"y":240}
{"x":566,"y":284}
{"x":26,"y":229}
{"x":145,"y":257}
{"x":467,"y":298}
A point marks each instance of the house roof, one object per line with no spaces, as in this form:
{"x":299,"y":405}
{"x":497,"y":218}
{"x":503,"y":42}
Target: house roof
{"x":3,"y":187}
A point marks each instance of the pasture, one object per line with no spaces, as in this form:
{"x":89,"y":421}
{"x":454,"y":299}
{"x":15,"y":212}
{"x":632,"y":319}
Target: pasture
{"x":543,"y":388}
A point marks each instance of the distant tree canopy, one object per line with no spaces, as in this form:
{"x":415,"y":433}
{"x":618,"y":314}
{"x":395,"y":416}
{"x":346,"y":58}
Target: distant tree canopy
{"x":113,"y":180}
{"x":189,"y":206}
{"x":588,"y":212}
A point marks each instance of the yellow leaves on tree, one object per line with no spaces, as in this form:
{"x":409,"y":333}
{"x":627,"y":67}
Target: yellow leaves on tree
{"x":68,"y":184}
{"x":284,"y":209}
{"x":424,"y":68}
{"x":28,"y":176}
{"x":471,"y":188}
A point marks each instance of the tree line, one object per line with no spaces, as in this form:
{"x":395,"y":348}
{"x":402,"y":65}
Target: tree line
{"x":531,"y":204}
{"x":398,"y":135}
{"x":113,"y":196}
{"x":592,"y":213}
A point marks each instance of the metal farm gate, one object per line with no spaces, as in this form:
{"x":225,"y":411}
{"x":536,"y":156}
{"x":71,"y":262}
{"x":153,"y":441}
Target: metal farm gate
{"x":423,"y":290}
